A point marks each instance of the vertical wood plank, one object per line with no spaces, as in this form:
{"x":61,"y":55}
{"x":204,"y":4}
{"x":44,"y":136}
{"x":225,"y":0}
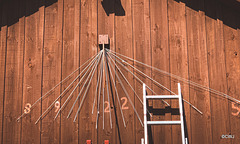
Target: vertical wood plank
{"x":235,"y":130}
{"x":160,"y":60}
{"x":14,"y":74}
{"x":142,"y":52}
{"x":217,"y":71}
{"x":70,"y":62}
{"x":60,"y":14}
{"x":106,"y":24}
{"x":123,"y":30}
{"x":51,"y":73}
{"x":88,"y":48}
{"x":21,"y":34}
{"x":232,"y":50}
{"x":198,"y":72}
{"x":212,"y":39}
{"x":3,"y":46}
{"x":178,"y":58}
{"x":2,"y":71}
{"x":34,"y":28}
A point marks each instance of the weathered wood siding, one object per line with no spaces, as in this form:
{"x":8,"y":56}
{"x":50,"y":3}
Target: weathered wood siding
{"x":43,"y":41}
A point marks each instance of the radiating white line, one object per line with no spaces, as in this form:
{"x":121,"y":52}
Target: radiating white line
{"x":116,"y":94}
{"x":84,"y":96}
{"x":95,"y":65}
{"x":110,"y":117}
{"x":125,"y":91}
{"x":59,"y":96}
{"x":60,"y":83}
{"x":160,"y":85}
{"x":183,"y":79}
{"x":99,"y":94}
{"x":74,"y":90}
{"x":103,"y":89}
{"x":96,"y":91}
{"x":140,"y":81}
{"x":128,"y":83}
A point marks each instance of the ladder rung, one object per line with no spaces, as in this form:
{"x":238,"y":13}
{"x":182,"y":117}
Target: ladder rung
{"x":162,"y":97}
{"x":163,"y":122}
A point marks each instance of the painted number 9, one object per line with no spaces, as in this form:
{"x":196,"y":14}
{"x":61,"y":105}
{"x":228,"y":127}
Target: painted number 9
{"x":57,"y":106}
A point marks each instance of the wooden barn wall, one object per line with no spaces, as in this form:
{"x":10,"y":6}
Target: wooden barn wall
{"x":43,"y":41}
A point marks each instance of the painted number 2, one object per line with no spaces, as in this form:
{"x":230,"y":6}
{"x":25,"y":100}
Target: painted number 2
{"x":107,"y":109}
{"x":124,"y":107}
{"x":235,"y":108}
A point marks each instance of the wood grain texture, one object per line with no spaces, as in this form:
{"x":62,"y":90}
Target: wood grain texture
{"x":2,"y":70}
{"x":142,"y":52}
{"x":235,"y":129}
{"x":178,"y":58}
{"x":42,"y":42}
{"x":70,"y":62}
{"x":88,"y":48}
{"x":160,"y":60}
{"x":106,"y":26}
{"x":13,"y":81}
{"x":123,"y":32}
{"x":198,"y":72}
{"x":3,"y":46}
{"x":32,"y":83}
{"x":231,"y":44}
{"x":51,"y":74}
{"x":217,"y":71}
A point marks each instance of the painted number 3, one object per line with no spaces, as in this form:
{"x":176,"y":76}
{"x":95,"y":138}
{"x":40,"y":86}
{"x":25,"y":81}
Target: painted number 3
{"x":124,"y":107}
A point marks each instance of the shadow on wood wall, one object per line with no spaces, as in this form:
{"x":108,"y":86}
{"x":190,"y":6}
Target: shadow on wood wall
{"x":8,"y":12}
{"x":10,"y":18}
{"x":217,"y":9}
{"x":117,"y":9}
{"x":231,"y":6}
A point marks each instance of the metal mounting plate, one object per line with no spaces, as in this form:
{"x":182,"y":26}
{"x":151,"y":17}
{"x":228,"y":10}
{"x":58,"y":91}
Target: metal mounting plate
{"x":103,"y":39}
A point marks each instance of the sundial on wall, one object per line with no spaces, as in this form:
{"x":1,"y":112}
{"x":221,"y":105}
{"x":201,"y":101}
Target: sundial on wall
{"x":108,"y":66}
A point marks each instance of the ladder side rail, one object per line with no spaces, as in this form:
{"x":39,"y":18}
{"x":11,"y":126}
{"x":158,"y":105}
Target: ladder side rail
{"x":181,"y":113}
{"x":145,"y":114}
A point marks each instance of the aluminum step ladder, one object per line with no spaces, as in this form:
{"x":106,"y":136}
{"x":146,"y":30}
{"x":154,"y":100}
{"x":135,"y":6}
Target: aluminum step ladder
{"x":146,"y":122}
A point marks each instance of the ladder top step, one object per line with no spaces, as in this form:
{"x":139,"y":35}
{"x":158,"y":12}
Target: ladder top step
{"x":162,"y":97}
{"x":163,"y":122}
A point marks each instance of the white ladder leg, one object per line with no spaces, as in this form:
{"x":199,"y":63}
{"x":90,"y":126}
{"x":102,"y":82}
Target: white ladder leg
{"x":146,"y":122}
{"x":181,"y":113}
{"x":145,"y":114}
